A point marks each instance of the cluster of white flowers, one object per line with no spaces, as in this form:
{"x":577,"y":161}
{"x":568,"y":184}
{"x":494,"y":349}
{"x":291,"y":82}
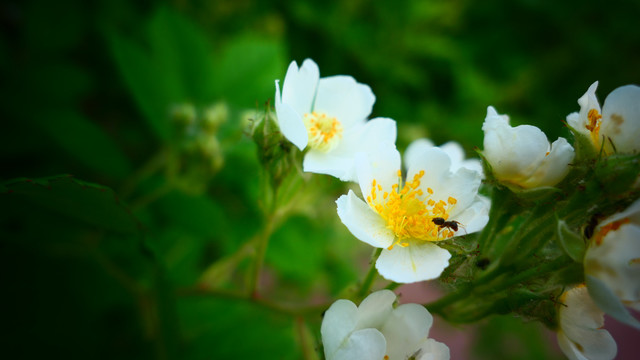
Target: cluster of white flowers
{"x":375,"y":330}
{"x":407,"y":211}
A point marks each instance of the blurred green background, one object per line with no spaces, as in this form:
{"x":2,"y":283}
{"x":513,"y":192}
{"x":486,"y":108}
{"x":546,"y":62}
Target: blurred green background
{"x":95,"y":271}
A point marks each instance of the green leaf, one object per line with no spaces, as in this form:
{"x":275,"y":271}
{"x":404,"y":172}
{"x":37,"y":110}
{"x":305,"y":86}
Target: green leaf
{"x":571,"y":243}
{"x":145,"y":81}
{"x":232,"y":329}
{"x":184,"y":54}
{"x":90,"y":203}
{"x":75,"y":279}
{"x":302,"y":240}
{"x":87,"y":142}
{"x":178,"y":67}
{"x":247,"y":69}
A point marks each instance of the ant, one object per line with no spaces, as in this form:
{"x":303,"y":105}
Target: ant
{"x":442,"y":223}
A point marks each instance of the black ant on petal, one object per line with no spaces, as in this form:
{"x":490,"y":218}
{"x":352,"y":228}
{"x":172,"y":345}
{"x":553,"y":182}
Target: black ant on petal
{"x":442,"y":223}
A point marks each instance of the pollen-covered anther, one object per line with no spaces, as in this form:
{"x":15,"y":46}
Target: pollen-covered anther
{"x":593,"y":126}
{"x":408,"y":210}
{"x":324,"y":131}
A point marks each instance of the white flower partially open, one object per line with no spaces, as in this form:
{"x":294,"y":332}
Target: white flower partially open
{"x":522,"y":155}
{"x":405,"y":218}
{"x":618,"y":120}
{"x":329,"y":116}
{"x":377,"y":331}
{"x":612,"y":264}
{"x":580,"y":335}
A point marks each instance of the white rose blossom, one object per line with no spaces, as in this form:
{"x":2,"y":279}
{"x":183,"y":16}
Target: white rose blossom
{"x":406,"y":218}
{"x":521,"y":155}
{"x":618,"y":120}
{"x":375,"y":330}
{"x":612,"y":264}
{"x":329,"y":116}
{"x":580,"y":334}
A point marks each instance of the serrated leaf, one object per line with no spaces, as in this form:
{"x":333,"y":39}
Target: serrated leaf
{"x":91,"y":203}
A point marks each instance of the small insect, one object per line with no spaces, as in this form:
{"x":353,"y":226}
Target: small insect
{"x":442,"y":223}
{"x":591,"y":225}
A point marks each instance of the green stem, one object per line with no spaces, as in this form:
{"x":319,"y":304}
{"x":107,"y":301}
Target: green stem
{"x":284,"y":309}
{"x":152,"y":165}
{"x":371,"y":275}
{"x":499,"y":199}
{"x":152,"y":196}
{"x":477,"y":291}
{"x":261,"y":250}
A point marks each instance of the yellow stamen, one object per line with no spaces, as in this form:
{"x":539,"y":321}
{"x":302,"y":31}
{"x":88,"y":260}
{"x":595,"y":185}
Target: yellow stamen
{"x":324,"y":132}
{"x":408,"y":212}
{"x":595,"y":120}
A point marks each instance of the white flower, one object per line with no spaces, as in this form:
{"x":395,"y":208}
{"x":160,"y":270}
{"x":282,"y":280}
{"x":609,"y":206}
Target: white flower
{"x":406,"y":218}
{"x":619,"y":119}
{"x":612,"y":264}
{"x":580,"y":335}
{"x":329,"y":116}
{"x":377,"y":331}
{"x":452,"y":148}
{"x":522,"y":155}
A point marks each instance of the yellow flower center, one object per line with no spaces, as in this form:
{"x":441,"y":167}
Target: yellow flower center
{"x":324,"y":132}
{"x":410,"y":213}
{"x":595,"y":119}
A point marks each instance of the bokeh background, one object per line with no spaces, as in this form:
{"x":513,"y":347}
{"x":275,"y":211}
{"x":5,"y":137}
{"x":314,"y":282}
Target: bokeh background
{"x":87,"y":88}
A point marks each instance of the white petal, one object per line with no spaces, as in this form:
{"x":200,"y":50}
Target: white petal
{"x":375,"y":309}
{"x":363,"y":222}
{"x":382,"y":165}
{"x":581,"y":321}
{"x":407,"y":327}
{"x":319,"y":162}
{"x":474,"y":217}
{"x":433,"y":350}
{"x":514,"y":153}
{"x":416,"y":262}
{"x":341,"y":96}
{"x":415,"y":149}
{"x":451,"y":148}
{"x":632,"y":213}
{"x":365,"y":344}
{"x":340,"y":162}
{"x":621,"y":118}
{"x":300,"y":86}
{"x":609,"y":302}
{"x":616,"y":261}
{"x":587,"y":102}
{"x":573,"y":120}
{"x":462,"y":185}
{"x":554,"y":167}
{"x":338,"y":323}
{"x":290,"y":122}
{"x":455,"y":152}
{"x":569,"y":348}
